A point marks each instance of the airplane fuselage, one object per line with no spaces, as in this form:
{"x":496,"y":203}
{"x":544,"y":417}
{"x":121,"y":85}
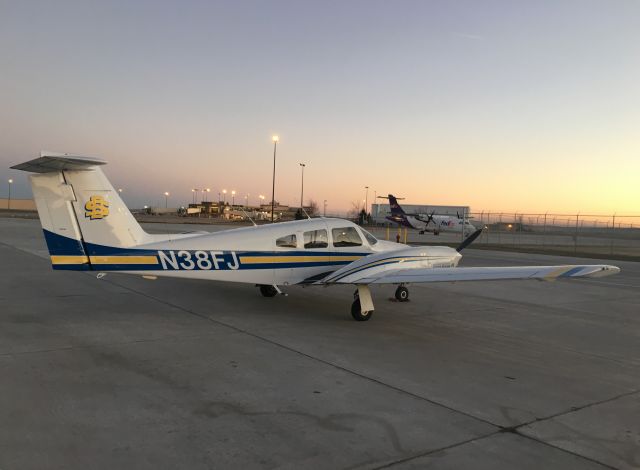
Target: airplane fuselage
{"x":437,"y":224}
{"x":315,"y":248}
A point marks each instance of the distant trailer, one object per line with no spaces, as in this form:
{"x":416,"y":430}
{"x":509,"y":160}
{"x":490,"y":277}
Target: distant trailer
{"x":162,"y":210}
{"x":379,"y":212}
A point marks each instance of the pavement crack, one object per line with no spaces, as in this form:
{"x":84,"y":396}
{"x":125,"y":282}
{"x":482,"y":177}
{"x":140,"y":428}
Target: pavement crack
{"x":306,"y":355}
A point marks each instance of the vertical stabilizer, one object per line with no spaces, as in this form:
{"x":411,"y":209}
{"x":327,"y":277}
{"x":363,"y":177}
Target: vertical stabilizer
{"x":80,"y":211}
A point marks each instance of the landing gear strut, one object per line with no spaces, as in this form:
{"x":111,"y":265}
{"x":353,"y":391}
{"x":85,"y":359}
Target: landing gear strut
{"x":267,"y":290}
{"x":402,"y":294}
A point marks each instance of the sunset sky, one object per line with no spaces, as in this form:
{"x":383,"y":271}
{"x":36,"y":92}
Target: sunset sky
{"x":500,"y":105}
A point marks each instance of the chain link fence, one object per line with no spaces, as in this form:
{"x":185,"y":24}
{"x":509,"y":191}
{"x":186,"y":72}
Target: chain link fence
{"x":615,"y":236}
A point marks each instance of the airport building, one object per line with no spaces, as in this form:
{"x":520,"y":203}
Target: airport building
{"x":379,"y":212}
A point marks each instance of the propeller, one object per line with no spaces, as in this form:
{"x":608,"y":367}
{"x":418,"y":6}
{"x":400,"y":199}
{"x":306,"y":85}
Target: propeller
{"x":429,"y":218}
{"x":469,"y":240}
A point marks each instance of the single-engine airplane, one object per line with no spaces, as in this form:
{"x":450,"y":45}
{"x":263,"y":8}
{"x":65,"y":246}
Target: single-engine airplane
{"x":433,"y":222}
{"x":88,"y":227}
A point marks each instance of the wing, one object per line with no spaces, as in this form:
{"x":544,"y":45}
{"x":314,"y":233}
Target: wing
{"x":437,"y":264}
{"x":408,"y":276}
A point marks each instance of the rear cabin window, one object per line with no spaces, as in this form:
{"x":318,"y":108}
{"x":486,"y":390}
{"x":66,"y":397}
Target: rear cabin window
{"x":288,"y":241}
{"x":316,"y":239}
{"x":347,"y":236}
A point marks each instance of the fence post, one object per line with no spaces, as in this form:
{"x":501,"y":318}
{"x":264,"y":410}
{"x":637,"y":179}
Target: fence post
{"x":575,"y":238}
{"x":613,"y":227}
{"x":488,"y":224}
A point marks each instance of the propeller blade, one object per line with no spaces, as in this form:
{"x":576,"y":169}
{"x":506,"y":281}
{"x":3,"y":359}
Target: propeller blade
{"x":469,"y":240}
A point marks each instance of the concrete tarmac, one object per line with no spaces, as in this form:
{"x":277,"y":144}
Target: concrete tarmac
{"x":129,"y":373}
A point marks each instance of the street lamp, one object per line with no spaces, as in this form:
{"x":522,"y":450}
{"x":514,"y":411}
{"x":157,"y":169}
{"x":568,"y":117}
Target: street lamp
{"x":166,"y":199}
{"x":246,"y":200}
{"x":261,"y":201}
{"x":193,"y":191}
{"x":233,"y":197}
{"x":366,"y":198}
{"x":208,"y":191}
{"x":302,"y":165}
{"x":275,"y":139}
{"x":325,"y":208}
{"x":10,"y":180}
{"x":224,"y":191}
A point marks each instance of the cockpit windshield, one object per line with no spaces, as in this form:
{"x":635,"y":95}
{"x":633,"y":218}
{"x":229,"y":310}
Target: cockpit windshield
{"x":370,"y":238}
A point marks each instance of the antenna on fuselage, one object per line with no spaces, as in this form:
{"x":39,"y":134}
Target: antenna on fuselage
{"x":248,"y":217}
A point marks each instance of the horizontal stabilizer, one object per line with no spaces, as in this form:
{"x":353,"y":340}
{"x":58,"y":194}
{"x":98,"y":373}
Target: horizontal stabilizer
{"x":49,"y":162}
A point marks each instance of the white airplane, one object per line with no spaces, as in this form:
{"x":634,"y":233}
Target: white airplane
{"x":434,"y":223}
{"x":87,"y":227}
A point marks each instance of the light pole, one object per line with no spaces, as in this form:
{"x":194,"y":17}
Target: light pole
{"x":324,"y":214}
{"x":261,"y":201}
{"x":275,"y":139}
{"x":9,"y":200}
{"x":366,"y":198}
{"x":302,"y":165}
{"x":193,"y":191}
{"x":224,"y":192}
{"x":233,"y":197}
{"x":246,"y":200}
{"x":166,"y":199}
{"x":206,"y":196}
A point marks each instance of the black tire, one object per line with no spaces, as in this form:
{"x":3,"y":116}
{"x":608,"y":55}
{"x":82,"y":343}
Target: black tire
{"x":357,"y":314}
{"x":402,"y":294}
{"x":268,"y":291}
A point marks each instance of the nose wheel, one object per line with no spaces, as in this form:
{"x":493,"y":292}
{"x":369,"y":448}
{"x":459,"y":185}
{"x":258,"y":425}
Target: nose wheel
{"x":402,"y":294}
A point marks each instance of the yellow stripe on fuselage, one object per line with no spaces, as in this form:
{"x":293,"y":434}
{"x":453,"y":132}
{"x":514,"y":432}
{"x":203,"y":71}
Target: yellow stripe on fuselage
{"x":124,"y":260}
{"x":295,"y":259}
{"x":69,"y":259}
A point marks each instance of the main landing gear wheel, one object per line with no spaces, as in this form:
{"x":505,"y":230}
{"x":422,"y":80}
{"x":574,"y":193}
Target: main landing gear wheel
{"x":357,"y":313}
{"x":402,"y":294}
{"x":268,"y":291}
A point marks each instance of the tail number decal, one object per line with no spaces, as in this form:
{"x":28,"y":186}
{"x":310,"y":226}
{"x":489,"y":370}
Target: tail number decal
{"x":201,"y":260}
{"x":97,"y":207}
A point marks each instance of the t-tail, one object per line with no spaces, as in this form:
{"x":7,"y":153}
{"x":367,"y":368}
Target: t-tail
{"x":395,"y":207}
{"x":82,"y":216}
{"x":397,"y":214}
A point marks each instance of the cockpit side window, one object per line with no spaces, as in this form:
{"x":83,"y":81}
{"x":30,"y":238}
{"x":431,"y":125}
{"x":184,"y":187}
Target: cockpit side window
{"x":370,"y":238}
{"x":288,"y":241}
{"x":346,"y":236}
{"x":316,"y":239}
